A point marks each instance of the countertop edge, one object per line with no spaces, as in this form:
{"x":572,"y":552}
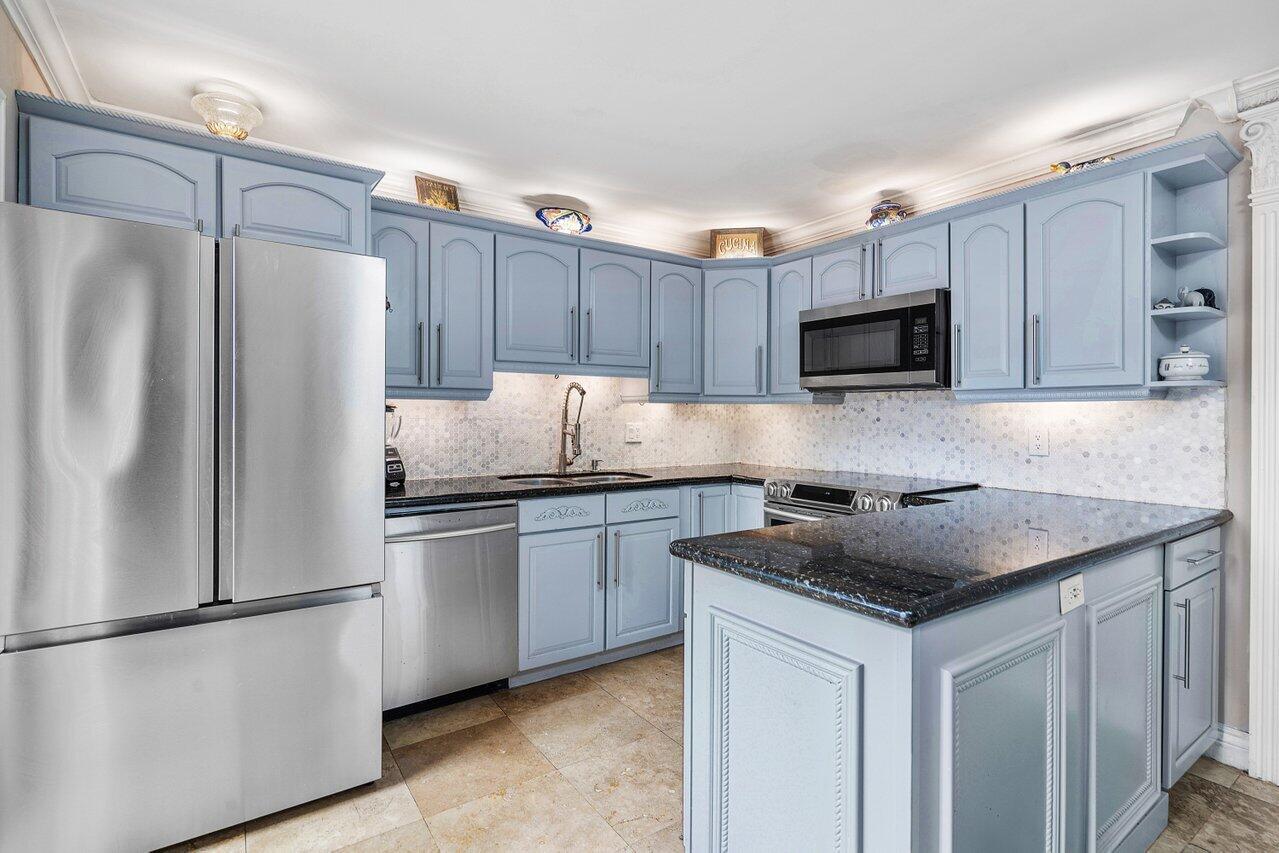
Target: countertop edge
{"x":961,"y":598}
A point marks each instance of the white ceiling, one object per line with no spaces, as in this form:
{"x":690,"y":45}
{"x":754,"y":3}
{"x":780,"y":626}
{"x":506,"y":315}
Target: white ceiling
{"x":668,"y":118}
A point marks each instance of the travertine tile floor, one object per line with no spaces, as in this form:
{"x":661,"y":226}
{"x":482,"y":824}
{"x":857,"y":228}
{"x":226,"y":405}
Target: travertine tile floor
{"x":592,"y":762}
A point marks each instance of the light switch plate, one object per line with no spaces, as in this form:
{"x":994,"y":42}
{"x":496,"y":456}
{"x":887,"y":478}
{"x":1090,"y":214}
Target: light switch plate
{"x":1071,"y":590}
{"x":633,"y":435}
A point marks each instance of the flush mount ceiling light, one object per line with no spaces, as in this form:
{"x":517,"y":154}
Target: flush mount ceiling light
{"x":564,"y":220}
{"x":885,"y":213}
{"x":227,"y":113}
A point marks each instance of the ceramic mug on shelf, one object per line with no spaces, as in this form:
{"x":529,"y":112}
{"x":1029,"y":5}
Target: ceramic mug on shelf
{"x":1184,"y":365}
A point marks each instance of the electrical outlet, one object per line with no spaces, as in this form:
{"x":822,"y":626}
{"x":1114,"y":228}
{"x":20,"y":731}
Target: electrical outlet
{"x":633,"y":435}
{"x":1071,"y":591}
{"x":1038,"y":543}
{"x":1038,"y":440}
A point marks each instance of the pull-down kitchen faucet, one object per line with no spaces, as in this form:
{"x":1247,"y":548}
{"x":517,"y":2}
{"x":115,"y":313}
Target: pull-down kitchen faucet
{"x":574,"y":432}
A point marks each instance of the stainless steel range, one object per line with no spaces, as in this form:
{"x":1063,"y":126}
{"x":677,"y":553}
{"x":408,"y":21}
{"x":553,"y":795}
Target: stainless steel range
{"x":787,"y":501}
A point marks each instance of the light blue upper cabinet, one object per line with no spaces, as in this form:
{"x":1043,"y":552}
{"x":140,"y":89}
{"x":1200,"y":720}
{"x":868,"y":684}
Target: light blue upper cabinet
{"x":1084,"y":272}
{"x":988,"y":299}
{"x":461,"y":313}
{"x":841,"y":276}
{"x":736,"y":309}
{"x":101,"y":173}
{"x":536,"y":301}
{"x":917,"y":260}
{"x":677,"y":330}
{"x":268,"y":202}
{"x":404,"y":242}
{"x":614,"y":309}
{"x":791,"y":292}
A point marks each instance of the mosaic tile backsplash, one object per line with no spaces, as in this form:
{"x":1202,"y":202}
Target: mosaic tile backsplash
{"x":1163,"y":451}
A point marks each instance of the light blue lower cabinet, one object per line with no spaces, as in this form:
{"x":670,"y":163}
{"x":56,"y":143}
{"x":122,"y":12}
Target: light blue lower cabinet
{"x":644,"y":596}
{"x":1008,"y":726}
{"x":748,"y":507}
{"x":561,"y":598}
{"x":711,"y":510}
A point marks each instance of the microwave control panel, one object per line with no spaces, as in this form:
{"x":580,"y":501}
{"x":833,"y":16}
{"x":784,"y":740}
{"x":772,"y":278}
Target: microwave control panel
{"x":921,"y":341}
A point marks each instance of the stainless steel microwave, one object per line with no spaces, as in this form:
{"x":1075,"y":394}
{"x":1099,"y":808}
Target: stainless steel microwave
{"x":880,"y":344}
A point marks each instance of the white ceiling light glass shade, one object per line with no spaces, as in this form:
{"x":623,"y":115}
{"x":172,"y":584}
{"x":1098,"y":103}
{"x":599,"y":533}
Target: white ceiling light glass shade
{"x":564,"y":220}
{"x":227,"y":114}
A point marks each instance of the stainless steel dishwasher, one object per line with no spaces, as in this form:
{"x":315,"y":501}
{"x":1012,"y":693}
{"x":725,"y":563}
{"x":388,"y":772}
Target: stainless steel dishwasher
{"x":449,"y":602}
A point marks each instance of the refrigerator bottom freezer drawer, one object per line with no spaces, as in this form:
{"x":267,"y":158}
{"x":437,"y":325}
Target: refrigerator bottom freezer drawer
{"x":136,"y":741}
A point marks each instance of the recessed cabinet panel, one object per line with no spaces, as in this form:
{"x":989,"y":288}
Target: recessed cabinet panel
{"x":461,"y":317}
{"x":736,"y":331}
{"x":268,"y":202}
{"x":644,"y":581}
{"x":537,"y":287}
{"x":1084,"y":285}
{"x":1193,"y":613}
{"x":841,"y":276}
{"x":918,"y":260}
{"x":712,"y":510}
{"x":791,"y":292}
{"x":614,"y":316}
{"x":561,"y":595}
{"x":988,"y":299}
{"x":676,"y":366}
{"x":97,"y":172}
{"x":404,"y":242}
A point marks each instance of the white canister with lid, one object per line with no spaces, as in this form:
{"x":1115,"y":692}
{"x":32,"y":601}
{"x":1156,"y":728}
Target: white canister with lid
{"x":1184,"y":365}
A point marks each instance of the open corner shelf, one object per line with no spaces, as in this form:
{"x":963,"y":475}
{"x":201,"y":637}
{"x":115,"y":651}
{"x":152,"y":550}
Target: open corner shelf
{"x":1195,"y":313}
{"x":1188,"y":383}
{"x":1188,"y":243}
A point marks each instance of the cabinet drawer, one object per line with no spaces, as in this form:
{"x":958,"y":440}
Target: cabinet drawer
{"x":561,"y":513}
{"x":1189,"y":558}
{"x":641,"y":506}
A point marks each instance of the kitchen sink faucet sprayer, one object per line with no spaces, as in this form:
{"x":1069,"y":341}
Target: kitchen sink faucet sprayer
{"x":574,"y":431}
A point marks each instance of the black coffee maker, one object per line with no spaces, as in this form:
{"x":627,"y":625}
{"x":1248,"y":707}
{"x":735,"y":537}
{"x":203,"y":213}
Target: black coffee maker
{"x":394,"y":465}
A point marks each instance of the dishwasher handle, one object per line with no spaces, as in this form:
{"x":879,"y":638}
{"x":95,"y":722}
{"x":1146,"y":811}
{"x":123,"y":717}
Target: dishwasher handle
{"x":449,"y":534}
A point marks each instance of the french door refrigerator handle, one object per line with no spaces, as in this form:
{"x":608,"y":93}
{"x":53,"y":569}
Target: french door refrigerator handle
{"x":226,"y":420}
{"x":207,"y":478}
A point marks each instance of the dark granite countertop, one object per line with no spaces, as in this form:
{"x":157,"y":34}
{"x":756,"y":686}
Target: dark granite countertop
{"x":453,"y":490}
{"x":911,"y":565}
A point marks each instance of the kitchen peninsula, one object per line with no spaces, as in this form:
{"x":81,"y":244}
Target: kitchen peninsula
{"x":950,"y":676}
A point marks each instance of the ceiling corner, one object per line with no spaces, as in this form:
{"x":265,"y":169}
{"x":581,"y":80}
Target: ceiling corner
{"x":40,"y":31}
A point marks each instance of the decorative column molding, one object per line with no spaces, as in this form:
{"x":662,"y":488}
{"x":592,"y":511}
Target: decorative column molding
{"x":1261,"y":135}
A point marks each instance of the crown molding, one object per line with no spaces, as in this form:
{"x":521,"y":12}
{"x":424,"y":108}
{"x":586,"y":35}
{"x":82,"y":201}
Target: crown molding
{"x":40,"y":31}
{"x":513,"y":209}
{"x":1001,"y":175}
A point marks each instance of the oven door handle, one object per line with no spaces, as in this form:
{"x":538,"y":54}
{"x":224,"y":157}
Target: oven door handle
{"x":793,"y":516}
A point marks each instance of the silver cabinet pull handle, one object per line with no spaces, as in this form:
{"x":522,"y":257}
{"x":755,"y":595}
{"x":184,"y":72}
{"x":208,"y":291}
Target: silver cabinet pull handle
{"x":958,"y":352}
{"x":617,"y":558}
{"x":861,"y":292}
{"x":599,"y":543}
{"x":235,"y":232}
{"x":759,"y":370}
{"x":572,"y":332}
{"x":590,"y":336}
{"x":701,"y":512}
{"x":420,"y":348}
{"x":1184,"y":678}
{"x":1208,"y":555}
{"x":658,"y":382}
{"x":439,"y":353}
{"x":1034,"y":346}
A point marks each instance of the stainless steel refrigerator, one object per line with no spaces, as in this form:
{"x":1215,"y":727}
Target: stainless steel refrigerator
{"x":191,"y":526}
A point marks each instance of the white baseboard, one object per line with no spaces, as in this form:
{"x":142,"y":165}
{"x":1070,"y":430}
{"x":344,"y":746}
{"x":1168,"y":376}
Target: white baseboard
{"x":1230,"y":747}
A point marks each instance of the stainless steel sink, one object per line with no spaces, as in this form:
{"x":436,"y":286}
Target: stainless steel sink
{"x":536,"y":480}
{"x":607,"y":478}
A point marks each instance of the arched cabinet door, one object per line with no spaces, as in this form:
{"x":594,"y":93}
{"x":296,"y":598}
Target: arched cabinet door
{"x":790,"y":293}
{"x":988,"y":299}
{"x":677,"y":330}
{"x":1084,"y":269}
{"x":841,"y":276}
{"x":536,"y":301}
{"x":736,"y":332}
{"x":404,"y":241}
{"x":916,"y":260}
{"x":101,"y":173}
{"x":268,"y":202}
{"x":614,"y":316}
{"x":461,"y":307}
